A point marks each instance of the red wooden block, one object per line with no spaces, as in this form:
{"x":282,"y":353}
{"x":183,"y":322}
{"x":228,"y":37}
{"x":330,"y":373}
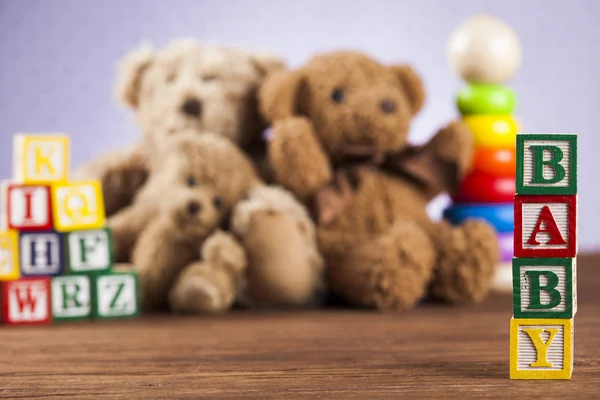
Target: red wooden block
{"x":26,"y":301}
{"x":545,"y":226}
{"x":480,"y":187}
{"x":29,"y":207}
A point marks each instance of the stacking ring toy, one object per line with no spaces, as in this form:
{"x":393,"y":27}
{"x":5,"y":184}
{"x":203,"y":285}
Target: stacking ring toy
{"x":486,"y":99}
{"x":480,"y":187}
{"x":500,"y":216}
{"x":493,"y":130}
{"x":506,"y":245}
{"x":497,"y":162}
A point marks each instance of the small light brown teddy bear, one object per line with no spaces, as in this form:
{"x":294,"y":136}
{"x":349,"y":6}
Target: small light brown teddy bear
{"x":185,"y":87}
{"x":339,"y":141}
{"x":205,"y":231}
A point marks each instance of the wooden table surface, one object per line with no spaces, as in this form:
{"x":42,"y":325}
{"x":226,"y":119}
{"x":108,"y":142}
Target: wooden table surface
{"x":431,"y":351}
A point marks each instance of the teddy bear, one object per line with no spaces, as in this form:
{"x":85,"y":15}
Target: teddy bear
{"x":205,"y":232}
{"x":185,"y":86}
{"x":339,"y":141}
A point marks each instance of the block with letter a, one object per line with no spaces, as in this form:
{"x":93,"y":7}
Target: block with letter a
{"x":39,"y":159}
{"x":26,"y":301}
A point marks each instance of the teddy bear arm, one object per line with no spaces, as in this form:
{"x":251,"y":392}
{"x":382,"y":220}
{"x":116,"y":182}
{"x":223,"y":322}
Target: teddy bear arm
{"x":298,"y":160}
{"x":127,"y":225}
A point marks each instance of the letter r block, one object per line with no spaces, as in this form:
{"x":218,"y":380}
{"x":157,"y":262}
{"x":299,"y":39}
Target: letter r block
{"x":544,"y":288}
{"x":77,"y":206}
{"x":40,"y":159}
{"x":541,"y":348}
{"x":545,"y":226}
{"x":546,"y":164}
{"x":72,"y":297}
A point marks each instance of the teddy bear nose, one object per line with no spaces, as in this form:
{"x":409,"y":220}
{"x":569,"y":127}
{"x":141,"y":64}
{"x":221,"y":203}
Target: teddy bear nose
{"x":193,"y":207}
{"x":192,"y":107}
{"x":388,"y":106}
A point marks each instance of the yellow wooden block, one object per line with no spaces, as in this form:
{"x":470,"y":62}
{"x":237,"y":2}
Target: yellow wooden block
{"x":9,"y":256}
{"x":77,"y":206}
{"x":41,"y":158}
{"x":541,"y":348}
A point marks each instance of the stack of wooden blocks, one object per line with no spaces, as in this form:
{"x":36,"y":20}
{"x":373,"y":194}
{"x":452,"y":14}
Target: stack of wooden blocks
{"x":56,"y":260}
{"x":544,"y":266}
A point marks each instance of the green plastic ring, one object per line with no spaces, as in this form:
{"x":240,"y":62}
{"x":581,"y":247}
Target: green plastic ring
{"x":486,"y":99}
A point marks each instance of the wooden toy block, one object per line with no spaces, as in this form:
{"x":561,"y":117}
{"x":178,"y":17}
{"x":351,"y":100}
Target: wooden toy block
{"x":28,"y":207}
{"x":541,"y":348}
{"x":90,"y":251}
{"x":41,"y":253}
{"x":544,"y":288}
{"x":545,"y":226}
{"x":39,"y":159}
{"x":26,"y":301}
{"x":117,"y":295}
{"x":72,"y":297}
{"x":546,"y":164}
{"x":9,"y":256}
{"x":77,"y":206}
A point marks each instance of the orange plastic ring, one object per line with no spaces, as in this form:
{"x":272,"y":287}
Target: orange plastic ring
{"x":495,"y":161}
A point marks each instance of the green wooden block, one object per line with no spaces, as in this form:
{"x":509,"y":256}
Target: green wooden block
{"x":89,"y":251}
{"x":546,"y":164}
{"x":117,"y":295}
{"x":72,"y":297}
{"x":544,"y":288}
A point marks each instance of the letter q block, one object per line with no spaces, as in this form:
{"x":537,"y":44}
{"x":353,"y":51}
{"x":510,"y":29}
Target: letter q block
{"x":40,"y":159}
{"x":77,"y":206}
{"x":546,"y":164}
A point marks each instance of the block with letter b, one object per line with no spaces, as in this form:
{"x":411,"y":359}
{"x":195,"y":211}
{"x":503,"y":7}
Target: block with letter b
{"x":90,"y":251}
{"x":40,"y":159}
{"x":545,"y":226}
{"x":77,"y":206}
{"x":117,"y":295}
{"x":546,"y":164}
{"x":544,"y":288}
{"x":72,"y":297}
{"x":541,"y":348}
{"x":26,"y":301}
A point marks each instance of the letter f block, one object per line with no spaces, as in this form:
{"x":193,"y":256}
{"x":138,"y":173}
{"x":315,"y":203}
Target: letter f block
{"x":40,"y":159}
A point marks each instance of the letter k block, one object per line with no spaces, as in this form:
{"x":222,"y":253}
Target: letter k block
{"x":41,"y":159}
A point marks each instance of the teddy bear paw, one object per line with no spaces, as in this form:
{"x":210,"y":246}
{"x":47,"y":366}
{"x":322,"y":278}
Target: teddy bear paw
{"x":197,"y":295}
{"x":222,"y":250}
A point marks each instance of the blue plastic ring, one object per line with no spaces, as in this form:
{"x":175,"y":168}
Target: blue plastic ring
{"x":500,"y":216}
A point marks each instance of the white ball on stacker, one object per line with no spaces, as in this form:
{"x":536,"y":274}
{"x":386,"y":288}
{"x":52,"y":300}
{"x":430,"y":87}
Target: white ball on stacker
{"x":484,"y":50}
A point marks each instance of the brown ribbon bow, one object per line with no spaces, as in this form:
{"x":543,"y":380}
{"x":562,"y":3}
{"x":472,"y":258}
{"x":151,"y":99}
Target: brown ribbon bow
{"x":415,"y":163}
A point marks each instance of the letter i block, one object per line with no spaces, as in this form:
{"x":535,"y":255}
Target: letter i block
{"x":41,"y":253}
{"x":9,"y":256}
{"x":90,"y":251}
{"x":26,"y":301}
{"x":77,"y":206}
{"x":541,"y":348}
{"x":72,"y":297}
{"x":545,"y":226}
{"x":546,"y":164}
{"x":544,"y":288}
{"x":41,"y":159}
{"x":117,"y":295}
{"x":28,"y":207}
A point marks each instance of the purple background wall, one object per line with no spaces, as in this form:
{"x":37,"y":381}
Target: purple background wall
{"x":57,"y":61}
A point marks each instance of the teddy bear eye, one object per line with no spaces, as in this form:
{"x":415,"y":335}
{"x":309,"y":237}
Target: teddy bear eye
{"x":191,"y":181}
{"x":337,"y":95}
{"x":171,"y":77}
{"x":209,"y":78}
{"x":217,"y":202}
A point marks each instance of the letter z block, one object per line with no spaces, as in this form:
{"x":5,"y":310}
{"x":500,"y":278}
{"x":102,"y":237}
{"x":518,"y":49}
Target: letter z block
{"x":41,"y":254}
{"x":72,"y":297}
{"x":28,"y":207}
{"x":26,"y":301}
{"x":90,"y":251}
{"x":9,"y":256}
{"x":117,"y":295}
{"x":545,"y":226}
{"x":40,"y":159}
{"x":541,"y":348}
{"x":78,"y":206}
{"x":544,"y":288}
{"x":546,"y":164}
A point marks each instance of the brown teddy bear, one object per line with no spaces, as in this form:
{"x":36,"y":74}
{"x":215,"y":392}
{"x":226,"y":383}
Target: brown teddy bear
{"x":186,"y":87}
{"x":200,"y":187}
{"x":339,"y":141}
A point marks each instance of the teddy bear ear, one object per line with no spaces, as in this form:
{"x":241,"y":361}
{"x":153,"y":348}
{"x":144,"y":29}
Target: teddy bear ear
{"x":413,"y":86}
{"x":279,"y":95}
{"x":129,"y":73}
{"x":267,"y":63}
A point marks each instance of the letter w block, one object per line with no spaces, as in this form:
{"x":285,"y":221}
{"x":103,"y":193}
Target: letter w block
{"x":546,"y":164}
{"x":541,"y":348}
{"x":545,"y":226}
